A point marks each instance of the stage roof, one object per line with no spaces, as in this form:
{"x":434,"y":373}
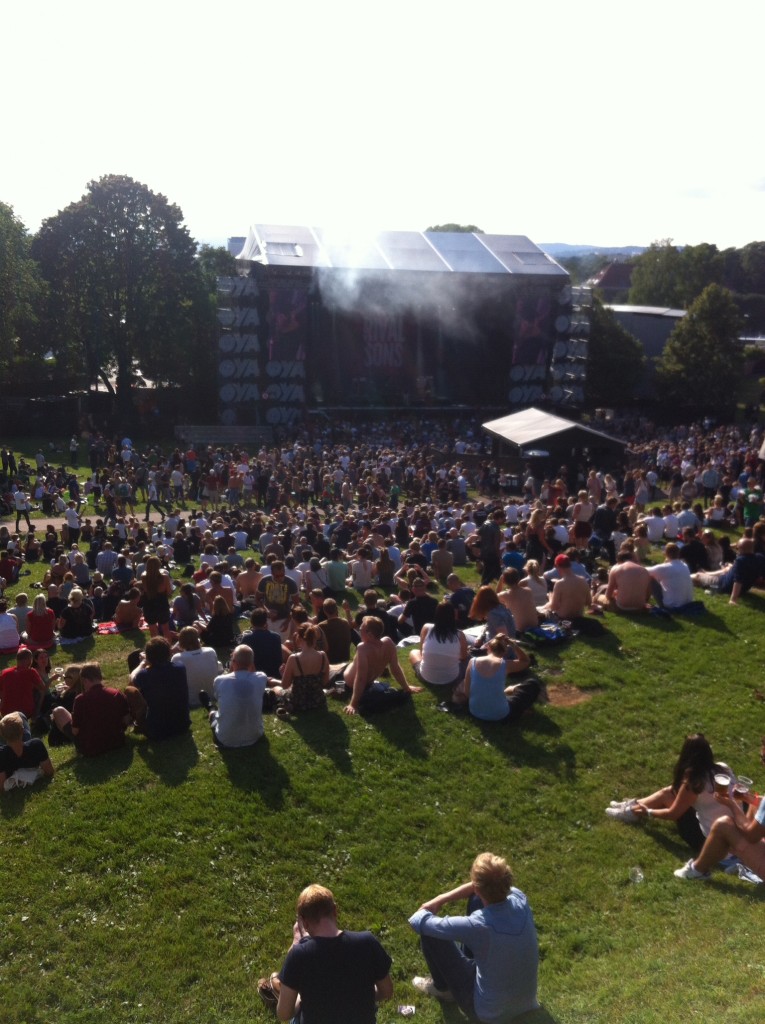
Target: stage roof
{"x":425,"y":251}
{"x":534,"y":428}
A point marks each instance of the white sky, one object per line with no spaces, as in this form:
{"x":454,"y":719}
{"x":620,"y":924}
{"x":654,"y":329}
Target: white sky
{"x":603,"y":123}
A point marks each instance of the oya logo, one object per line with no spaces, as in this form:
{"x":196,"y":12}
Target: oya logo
{"x":239,"y":368}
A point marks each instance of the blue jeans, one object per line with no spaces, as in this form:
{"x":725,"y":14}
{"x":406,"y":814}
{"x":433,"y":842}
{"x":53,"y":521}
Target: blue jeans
{"x":451,"y":968}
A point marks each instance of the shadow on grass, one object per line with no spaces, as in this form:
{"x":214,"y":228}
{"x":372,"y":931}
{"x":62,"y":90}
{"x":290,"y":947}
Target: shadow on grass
{"x":255,"y":770}
{"x":327,"y":735}
{"x":452,"y":1015}
{"x":710,"y":621}
{"x":171,"y":759}
{"x":402,"y":728}
{"x":517,"y":743}
{"x":732,"y":885}
{"x":12,"y":804}
{"x":78,"y":651}
{"x":93,"y":770}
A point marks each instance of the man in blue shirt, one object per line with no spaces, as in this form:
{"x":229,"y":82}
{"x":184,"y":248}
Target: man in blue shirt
{"x":494,"y":977}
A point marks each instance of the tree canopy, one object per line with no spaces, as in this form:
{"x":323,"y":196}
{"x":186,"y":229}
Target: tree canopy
{"x":21,"y":288}
{"x":125,"y":290}
{"x":456,"y":227}
{"x":702,"y":362}
{"x":615,"y":359}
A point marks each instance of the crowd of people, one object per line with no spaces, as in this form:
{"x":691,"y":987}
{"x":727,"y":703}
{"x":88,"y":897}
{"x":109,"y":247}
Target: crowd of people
{"x":290,"y":578}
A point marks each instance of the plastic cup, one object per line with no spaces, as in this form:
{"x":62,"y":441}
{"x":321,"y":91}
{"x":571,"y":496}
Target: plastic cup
{"x":742,"y":785}
{"x":722,"y":782}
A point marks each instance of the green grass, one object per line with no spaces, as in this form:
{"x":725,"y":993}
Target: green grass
{"x":157,"y":884}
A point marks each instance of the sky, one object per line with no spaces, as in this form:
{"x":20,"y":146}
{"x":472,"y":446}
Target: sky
{"x":599,"y":123}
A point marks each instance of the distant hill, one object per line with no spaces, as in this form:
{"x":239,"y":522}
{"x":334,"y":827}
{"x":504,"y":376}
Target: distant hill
{"x":556,"y":249}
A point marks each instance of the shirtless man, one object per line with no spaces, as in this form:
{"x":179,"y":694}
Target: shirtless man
{"x":571,"y":593}
{"x":247,"y":583}
{"x":629,"y":585}
{"x":374,"y":654}
{"x":215,"y":589}
{"x":519,"y":600}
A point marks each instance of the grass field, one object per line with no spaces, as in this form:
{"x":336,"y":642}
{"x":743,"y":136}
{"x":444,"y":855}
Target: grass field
{"x":157,"y":884}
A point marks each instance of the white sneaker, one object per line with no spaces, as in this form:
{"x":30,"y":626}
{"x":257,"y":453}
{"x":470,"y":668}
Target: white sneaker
{"x":426,"y":986}
{"x":689,"y":872}
{"x":623,"y":803}
{"x":623,"y":812}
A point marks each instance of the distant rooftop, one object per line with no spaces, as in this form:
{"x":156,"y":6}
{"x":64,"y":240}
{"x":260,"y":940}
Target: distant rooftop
{"x":426,"y":251}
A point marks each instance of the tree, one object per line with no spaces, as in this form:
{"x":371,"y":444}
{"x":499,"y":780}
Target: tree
{"x":456,"y":227}
{"x":702,"y":362}
{"x":657,"y":277}
{"x":126,"y":291}
{"x":701,"y":265}
{"x":21,"y":287}
{"x":214,"y":262}
{"x":615,"y":359}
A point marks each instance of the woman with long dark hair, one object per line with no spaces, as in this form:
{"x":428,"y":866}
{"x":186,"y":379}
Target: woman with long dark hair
{"x":688,"y":800}
{"x":157,"y":588}
{"x":443,"y":652}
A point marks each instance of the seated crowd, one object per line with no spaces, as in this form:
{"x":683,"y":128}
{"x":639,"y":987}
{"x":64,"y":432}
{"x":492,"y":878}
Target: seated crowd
{"x":255,"y":563}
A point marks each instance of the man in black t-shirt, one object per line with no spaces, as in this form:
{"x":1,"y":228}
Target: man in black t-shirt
{"x":420,"y":610}
{"x":331,"y":975}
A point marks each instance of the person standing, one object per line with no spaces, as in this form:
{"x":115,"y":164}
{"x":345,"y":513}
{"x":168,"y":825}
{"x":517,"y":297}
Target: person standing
{"x":330,"y":974}
{"x":21,"y":501}
{"x":498,"y":980}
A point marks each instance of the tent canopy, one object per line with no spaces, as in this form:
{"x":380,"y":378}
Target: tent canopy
{"x":534,"y":428}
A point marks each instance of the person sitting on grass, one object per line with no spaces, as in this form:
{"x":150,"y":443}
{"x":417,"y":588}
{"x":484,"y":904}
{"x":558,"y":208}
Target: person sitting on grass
{"x":306,"y":673}
{"x":488,"y":608}
{"x":222,"y":626}
{"x":201,"y":663}
{"x":22,"y":759}
{"x":737,"y":579}
{"x":128,"y":613}
{"x":493,"y":977}
{"x":9,"y":630}
{"x":99,"y":717}
{"x":570,"y":596}
{"x":330,"y":974}
{"x":688,"y":800}
{"x":629,"y":585}
{"x":518,"y":599}
{"x":21,"y":688}
{"x":484,"y":689}
{"x":76,"y":621}
{"x":237,"y":721}
{"x":41,"y":625}
{"x":374,"y":655}
{"x":157,"y":694}
{"x":735,"y":833}
{"x":443,"y":652}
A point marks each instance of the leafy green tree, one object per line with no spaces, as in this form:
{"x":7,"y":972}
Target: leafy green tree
{"x":214,"y":262}
{"x":126,"y":290}
{"x":582,"y":268}
{"x":456,"y":227}
{"x":657,"y":277}
{"x":702,"y":362}
{"x":21,"y":287}
{"x":701,"y":265}
{"x":615,"y":359}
